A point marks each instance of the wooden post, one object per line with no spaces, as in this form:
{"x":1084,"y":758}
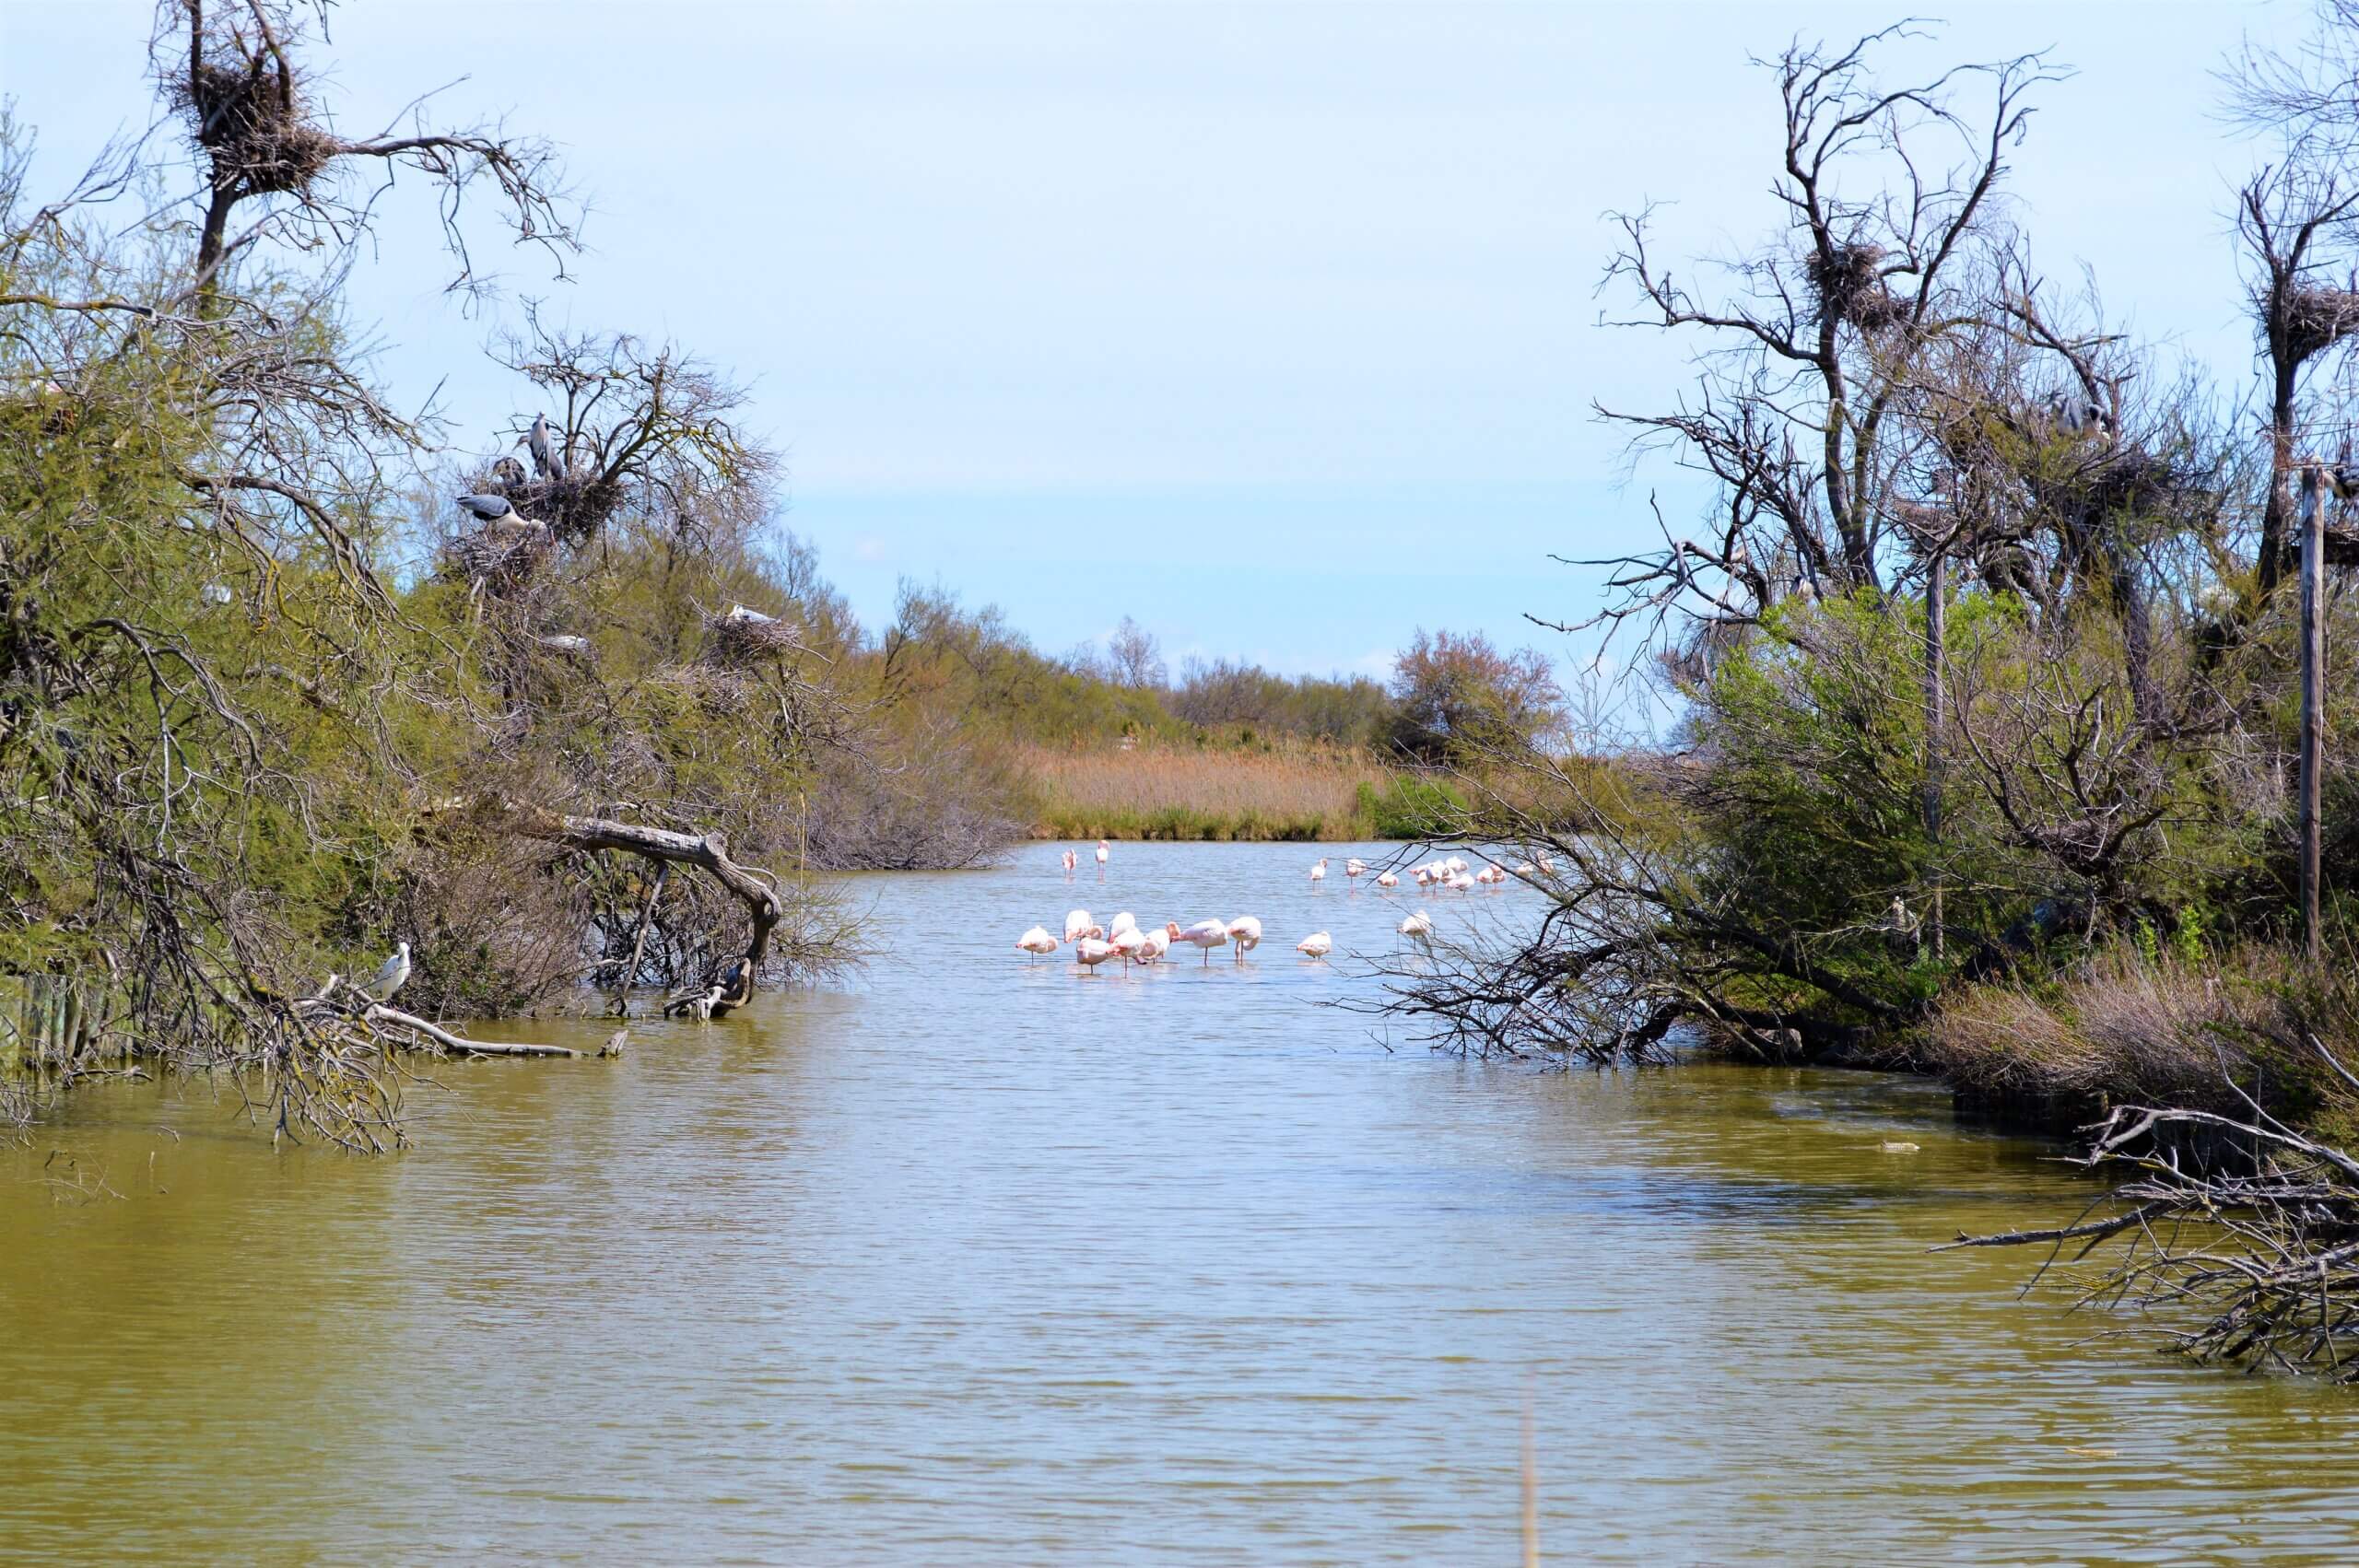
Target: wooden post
{"x":2313,"y":657}
{"x":1937,"y":620}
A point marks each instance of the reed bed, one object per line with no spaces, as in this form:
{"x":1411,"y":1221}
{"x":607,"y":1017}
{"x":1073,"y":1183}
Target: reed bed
{"x":1190,"y":792}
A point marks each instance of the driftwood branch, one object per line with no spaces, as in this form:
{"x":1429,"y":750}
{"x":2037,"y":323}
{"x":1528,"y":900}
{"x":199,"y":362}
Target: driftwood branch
{"x":380,"y":1014}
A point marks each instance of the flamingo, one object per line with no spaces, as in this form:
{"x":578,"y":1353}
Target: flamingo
{"x":1125,"y":921}
{"x":1126,"y":940}
{"x":1356,"y":868}
{"x":1318,"y":873}
{"x":1246,"y":932}
{"x":1072,"y":861}
{"x":1037,"y":942}
{"x":1103,"y":850}
{"x":1151,"y":946}
{"x":1454,"y":864}
{"x":1318,"y":944}
{"x":1491,"y":874}
{"x":1206,"y":934}
{"x":1418,"y":927}
{"x":1523,"y":867}
{"x":1387,"y":879}
{"x":1089,"y":953}
{"x":1078,"y":924}
{"x":1459,"y":882}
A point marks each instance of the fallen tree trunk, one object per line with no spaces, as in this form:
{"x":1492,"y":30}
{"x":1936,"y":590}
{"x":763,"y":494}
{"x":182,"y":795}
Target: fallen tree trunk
{"x":705,"y":851}
{"x":379,"y":1012}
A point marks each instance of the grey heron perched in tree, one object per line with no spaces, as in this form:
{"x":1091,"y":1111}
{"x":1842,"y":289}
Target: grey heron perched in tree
{"x":487,"y":508}
{"x":547,"y":464}
{"x":393,"y":976}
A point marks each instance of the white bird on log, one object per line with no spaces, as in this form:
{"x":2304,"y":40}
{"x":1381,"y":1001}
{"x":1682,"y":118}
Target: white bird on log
{"x":1318,"y":944}
{"x":392,"y":975}
{"x":1037,"y":942}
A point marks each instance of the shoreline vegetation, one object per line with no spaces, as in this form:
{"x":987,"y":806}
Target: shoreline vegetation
{"x":2014,"y":689}
{"x":558,"y":709}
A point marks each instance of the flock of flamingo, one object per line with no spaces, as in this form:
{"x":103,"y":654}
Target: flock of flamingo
{"x":1124,"y":939}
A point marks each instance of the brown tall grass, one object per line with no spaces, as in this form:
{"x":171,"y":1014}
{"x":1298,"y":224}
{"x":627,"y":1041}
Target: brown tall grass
{"x":1190,"y":792}
{"x":2153,"y":1030}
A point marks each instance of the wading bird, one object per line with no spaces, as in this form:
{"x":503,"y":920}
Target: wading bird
{"x":1418,"y":927}
{"x":1318,"y":944}
{"x":1125,"y":921}
{"x":485,"y":509}
{"x":1089,"y":953}
{"x":1387,"y":879}
{"x":1072,"y":861}
{"x":1078,"y":924}
{"x":393,"y":976}
{"x":1246,"y":932}
{"x":1151,"y":946}
{"x":1206,"y":934}
{"x":547,"y":464}
{"x":1126,"y":940}
{"x":1037,"y":942}
{"x":1356,"y":868}
{"x":1317,"y":874}
{"x":1103,"y":848}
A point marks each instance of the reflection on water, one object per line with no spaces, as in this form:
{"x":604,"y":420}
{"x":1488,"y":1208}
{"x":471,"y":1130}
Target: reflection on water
{"x":979,"y":1261}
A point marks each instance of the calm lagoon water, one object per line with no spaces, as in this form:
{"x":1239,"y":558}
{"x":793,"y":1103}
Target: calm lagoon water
{"x":977,"y":1261}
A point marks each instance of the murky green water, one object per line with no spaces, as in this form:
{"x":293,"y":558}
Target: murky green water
{"x":982,"y":1262}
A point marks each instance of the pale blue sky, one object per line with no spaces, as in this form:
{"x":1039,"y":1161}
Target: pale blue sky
{"x":1270,"y":325}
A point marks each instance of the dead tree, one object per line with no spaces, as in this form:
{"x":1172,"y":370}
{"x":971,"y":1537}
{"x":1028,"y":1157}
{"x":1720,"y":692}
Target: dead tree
{"x":2237,"y":1239}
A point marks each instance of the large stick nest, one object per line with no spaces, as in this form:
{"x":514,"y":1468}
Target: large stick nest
{"x":2316,"y":318}
{"x":1850,"y":287}
{"x":500,"y":562}
{"x":746,"y":637}
{"x":575,"y":504}
{"x":251,"y":119}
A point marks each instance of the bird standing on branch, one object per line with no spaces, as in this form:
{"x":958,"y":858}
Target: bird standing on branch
{"x":393,"y":976}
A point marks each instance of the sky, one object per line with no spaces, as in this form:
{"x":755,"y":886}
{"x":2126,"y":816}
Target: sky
{"x":1275,"y":326}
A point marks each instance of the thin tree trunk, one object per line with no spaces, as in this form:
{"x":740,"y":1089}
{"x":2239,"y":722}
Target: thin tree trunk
{"x":1937,"y":617}
{"x":2313,"y":657}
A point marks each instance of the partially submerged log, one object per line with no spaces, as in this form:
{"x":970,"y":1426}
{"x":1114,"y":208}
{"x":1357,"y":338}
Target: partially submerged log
{"x":380,"y":1014}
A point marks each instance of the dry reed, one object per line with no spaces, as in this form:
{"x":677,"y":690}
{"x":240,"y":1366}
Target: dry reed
{"x":1155,"y":792}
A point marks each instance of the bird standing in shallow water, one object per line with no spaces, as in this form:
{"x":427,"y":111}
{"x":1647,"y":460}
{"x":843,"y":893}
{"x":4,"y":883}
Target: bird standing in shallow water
{"x":1318,"y":944}
{"x":1103,"y":850}
{"x":1037,"y":942}
{"x":1318,"y":873}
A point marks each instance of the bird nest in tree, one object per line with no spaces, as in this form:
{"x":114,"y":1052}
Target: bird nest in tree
{"x":2318,"y":317}
{"x":747,"y":636}
{"x":574,"y":508}
{"x":1850,"y":287}
{"x":251,"y":118}
{"x":501,"y":563}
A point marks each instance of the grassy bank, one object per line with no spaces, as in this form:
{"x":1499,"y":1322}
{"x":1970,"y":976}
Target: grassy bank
{"x":1304,"y":794}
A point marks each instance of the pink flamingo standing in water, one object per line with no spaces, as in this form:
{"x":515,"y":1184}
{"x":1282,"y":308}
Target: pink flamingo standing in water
{"x":1102,"y":851}
{"x":1072,"y":861}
